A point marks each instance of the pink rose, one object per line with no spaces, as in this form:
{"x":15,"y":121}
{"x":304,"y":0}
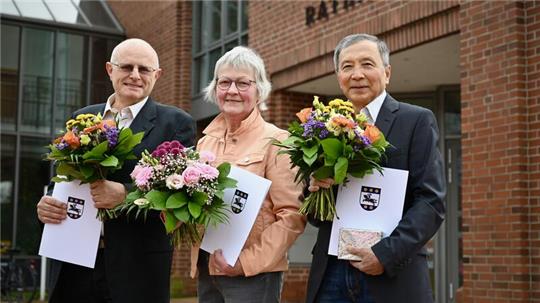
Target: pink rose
{"x":191,"y":175}
{"x":208,"y":172}
{"x":207,"y":156}
{"x":174,"y":181}
{"x":141,"y":175}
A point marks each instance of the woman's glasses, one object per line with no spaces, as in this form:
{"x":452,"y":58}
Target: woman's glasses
{"x":241,"y":84}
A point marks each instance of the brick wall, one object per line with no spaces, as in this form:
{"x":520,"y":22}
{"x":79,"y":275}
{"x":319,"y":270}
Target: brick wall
{"x":166,"y":25}
{"x":532,"y":31}
{"x":496,"y":176}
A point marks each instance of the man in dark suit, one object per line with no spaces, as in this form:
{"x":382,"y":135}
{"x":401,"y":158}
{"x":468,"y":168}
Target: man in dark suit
{"x":134,"y":259}
{"x":395,"y":269}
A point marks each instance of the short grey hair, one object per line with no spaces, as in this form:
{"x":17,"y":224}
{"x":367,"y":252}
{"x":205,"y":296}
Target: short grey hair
{"x":353,"y":39}
{"x":241,"y":57}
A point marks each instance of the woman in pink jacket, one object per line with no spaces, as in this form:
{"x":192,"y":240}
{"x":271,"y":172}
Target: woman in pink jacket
{"x":240,"y":135}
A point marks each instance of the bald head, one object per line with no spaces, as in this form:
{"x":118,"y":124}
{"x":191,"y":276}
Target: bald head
{"x":138,"y":45}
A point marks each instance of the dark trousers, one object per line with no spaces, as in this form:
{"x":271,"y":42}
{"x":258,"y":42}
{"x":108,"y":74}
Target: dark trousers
{"x":81,"y":284}
{"x":343,"y":283}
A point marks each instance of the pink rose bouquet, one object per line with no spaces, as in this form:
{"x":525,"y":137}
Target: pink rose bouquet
{"x":183,"y":185}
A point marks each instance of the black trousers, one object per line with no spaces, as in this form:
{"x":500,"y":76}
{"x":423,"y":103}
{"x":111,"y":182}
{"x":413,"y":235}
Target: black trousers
{"x":81,"y":284}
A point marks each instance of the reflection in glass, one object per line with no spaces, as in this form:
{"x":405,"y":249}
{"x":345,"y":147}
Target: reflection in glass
{"x":64,"y":11}
{"x":10,"y":76}
{"x":216,"y":20}
{"x":244,"y":21}
{"x":6,"y":187}
{"x":38,"y":57}
{"x":232,"y":16}
{"x":7,"y":7}
{"x":97,"y":14}
{"x":33,"y":9}
{"x":70,"y":77}
{"x":214,"y":56}
{"x":101,"y":87}
{"x":452,"y":113}
{"x":34,"y":174}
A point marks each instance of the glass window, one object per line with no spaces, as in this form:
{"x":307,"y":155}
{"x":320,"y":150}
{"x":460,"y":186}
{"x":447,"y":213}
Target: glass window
{"x":452,"y":113}
{"x":33,"y":9}
{"x":101,"y":87}
{"x":33,"y":176}
{"x":64,"y":11}
{"x":38,"y":58}
{"x":218,"y":26}
{"x":7,"y":183}
{"x":232,"y":17}
{"x":70,"y":77}
{"x":7,"y":7}
{"x":10,"y":76}
{"x":96,"y":13}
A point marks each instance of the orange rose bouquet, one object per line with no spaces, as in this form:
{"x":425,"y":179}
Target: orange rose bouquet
{"x":331,"y":141}
{"x":91,"y":148}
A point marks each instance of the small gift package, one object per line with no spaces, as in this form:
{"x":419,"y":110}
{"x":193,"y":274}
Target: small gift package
{"x":356,"y":238}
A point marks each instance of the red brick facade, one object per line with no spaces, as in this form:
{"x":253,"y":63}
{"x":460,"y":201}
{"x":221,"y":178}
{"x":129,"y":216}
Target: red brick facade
{"x":500,"y":110}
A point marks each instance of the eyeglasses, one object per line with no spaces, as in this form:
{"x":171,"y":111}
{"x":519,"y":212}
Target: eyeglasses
{"x":128,"y":68}
{"x":241,"y":84}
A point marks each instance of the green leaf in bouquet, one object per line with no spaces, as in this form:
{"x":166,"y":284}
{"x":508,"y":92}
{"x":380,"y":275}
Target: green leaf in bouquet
{"x":194,"y":209}
{"x":87,"y":171}
{"x":157,"y":198}
{"x":340,"y":170}
{"x":310,"y":151}
{"x":110,"y":161}
{"x":69,"y":170}
{"x":329,"y":161}
{"x":182,"y":214}
{"x":176,"y":200}
{"x":224,"y":170}
{"x":96,"y":152}
{"x":291,"y":141}
{"x":170,"y":222}
{"x":199,"y":197}
{"x":124,"y":134}
{"x":332,"y":147}
{"x":59,"y":179}
{"x":324,"y":172}
{"x":310,"y":160}
{"x":132,"y":196}
{"x":227,"y":183}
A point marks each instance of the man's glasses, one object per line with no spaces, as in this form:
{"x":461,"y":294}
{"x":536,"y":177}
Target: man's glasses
{"x":241,"y":84}
{"x":128,"y":68}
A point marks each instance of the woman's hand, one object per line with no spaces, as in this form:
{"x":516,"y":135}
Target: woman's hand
{"x":223,"y":267}
{"x":315,"y":185}
{"x":50,"y":210}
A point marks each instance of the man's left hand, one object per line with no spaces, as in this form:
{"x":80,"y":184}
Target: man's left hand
{"x":223,"y":267}
{"x":107,"y":194}
{"x":370,"y":264}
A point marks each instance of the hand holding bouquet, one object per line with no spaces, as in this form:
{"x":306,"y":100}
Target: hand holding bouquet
{"x":330,"y":142}
{"x":90,"y":149}
{"x":182,"y":184}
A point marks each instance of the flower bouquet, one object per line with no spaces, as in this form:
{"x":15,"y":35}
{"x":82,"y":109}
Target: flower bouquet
{"x":90,"y":149}
{"x":182,"y":184}
{"x":331,"y":141}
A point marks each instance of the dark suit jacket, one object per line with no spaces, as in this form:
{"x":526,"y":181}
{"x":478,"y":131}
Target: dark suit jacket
{"x":413,"y":133}
{"x":138,"y":253}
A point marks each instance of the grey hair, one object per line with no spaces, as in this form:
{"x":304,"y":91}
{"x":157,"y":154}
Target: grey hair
{"x":353,"y":39}
{"x":241,"y":57}
{"x":133,"y":41}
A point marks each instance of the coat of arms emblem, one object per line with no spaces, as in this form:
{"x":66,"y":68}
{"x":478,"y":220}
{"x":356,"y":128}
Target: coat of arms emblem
{"x":75,"y":207}
{"x":238,"y":201}
{"x":369,"y":197}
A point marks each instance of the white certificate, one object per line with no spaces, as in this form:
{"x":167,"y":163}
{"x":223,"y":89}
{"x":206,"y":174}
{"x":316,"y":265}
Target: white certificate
{"x":76,"y":239}
{"x":374,"y":202}
{"x":244,"y":203}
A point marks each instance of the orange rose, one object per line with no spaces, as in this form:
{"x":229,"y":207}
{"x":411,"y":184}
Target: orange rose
{"x":343,"y":122}
{"x":372,"y":133}
{"x":304,"y":114}
{"x":72,"y":139}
